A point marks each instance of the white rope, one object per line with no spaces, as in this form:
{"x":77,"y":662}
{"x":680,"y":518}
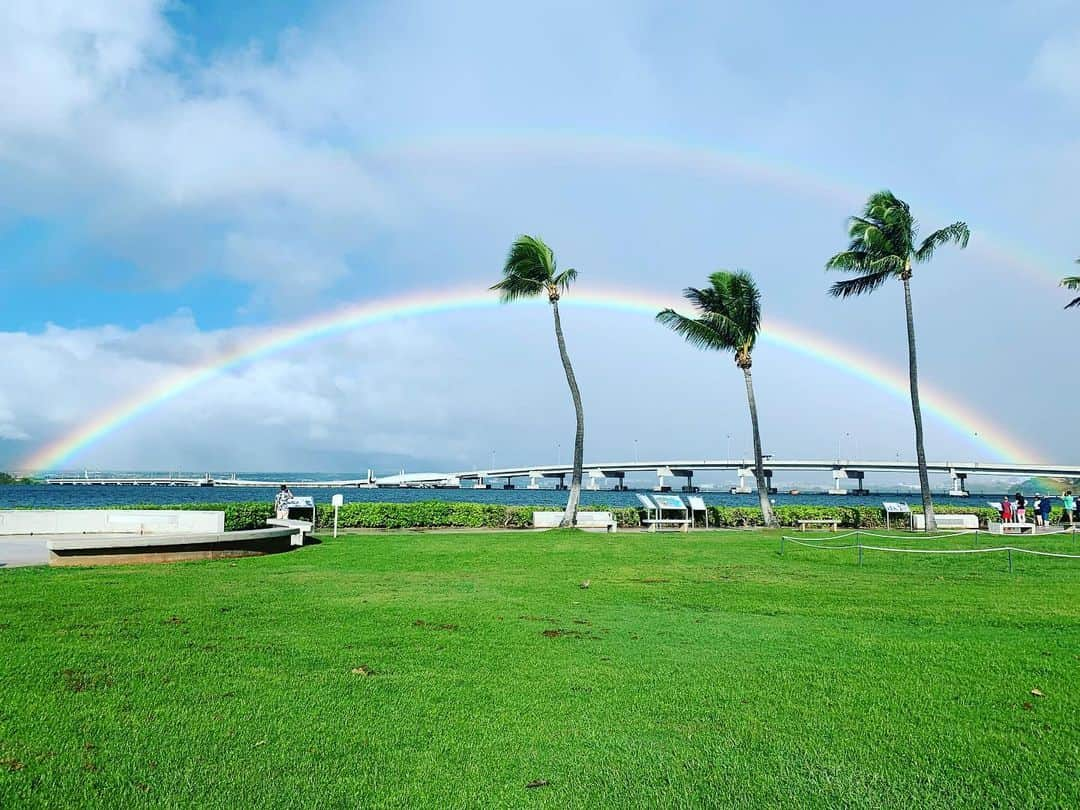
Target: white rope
{"x":918,"y":536}
{"x":831,"y":536}
{"x":996,"y":549}
{"x":811,"y":545}
{"x":1046,"y":553}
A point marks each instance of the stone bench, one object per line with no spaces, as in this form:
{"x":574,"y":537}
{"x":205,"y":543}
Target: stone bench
{"x":299,"y":528}
{"x":585,"y":520}
{"x":996,"y":527}
{"x":833,"y":525}
{"x":918,"y":521}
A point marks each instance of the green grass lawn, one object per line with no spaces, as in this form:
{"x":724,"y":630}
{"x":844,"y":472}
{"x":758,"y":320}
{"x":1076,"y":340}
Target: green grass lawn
{"x":452,"y":670}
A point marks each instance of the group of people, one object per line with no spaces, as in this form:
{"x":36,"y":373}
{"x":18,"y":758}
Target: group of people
{"x":1016,"y":510}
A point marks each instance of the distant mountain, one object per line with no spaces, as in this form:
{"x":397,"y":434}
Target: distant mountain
{"x":1051,"y":486}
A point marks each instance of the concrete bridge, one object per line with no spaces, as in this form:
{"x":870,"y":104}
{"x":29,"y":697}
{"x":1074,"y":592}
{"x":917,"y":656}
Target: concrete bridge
{"x":848,"y":475}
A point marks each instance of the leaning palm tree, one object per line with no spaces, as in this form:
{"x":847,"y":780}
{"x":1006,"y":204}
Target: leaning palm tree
{"x":530,"y":271}
{"x":883,"y":247}
{"x":1072,"y":283}
{"x":728,"y":320}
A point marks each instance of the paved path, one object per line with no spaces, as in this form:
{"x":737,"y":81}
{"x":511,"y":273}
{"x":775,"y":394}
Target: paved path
{"x":23,"y":551}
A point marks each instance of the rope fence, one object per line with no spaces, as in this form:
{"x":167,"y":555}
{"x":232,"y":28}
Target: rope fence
{"x":862,"y":546}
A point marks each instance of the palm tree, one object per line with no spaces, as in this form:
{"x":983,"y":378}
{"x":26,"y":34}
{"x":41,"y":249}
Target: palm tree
{"x":882,"y":247}
{"x":728,"y":320}
{"x":1072,"y":283}
{"x":530,"y":271}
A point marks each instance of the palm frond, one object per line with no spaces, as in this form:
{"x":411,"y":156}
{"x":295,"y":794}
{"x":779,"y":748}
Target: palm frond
{"x":1072,"y":283}
{"x":737,"y":298}
{"x":860,"y":285}
{"x":729,"y":313}
{"x":849,"y":260}
{"x":529,"y":269}
{"x":697,"y":332}
{"x":565,"y":279}
{"x":956,"y":233}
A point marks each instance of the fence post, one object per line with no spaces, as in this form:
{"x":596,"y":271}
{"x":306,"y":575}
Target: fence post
{"x":781,"y":545}
{"x":860,"y":553}
{"x":1010,"y":560}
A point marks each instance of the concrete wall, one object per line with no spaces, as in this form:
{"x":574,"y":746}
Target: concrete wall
{"x":108,"y":521}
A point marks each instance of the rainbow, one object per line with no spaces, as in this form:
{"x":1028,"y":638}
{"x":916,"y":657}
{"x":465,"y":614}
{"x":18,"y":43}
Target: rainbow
{"x":618,"y":150}
{"x":958,"y":416}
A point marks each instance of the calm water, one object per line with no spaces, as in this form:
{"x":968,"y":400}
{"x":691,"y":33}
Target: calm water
{"x":50,"y":496}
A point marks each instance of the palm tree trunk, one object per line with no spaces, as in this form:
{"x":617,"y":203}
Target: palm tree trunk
{"x":570,"y":516}
{"x":759,"y":467}
{"x":916,"y":410}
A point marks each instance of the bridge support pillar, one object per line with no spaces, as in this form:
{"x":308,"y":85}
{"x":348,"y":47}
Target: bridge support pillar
{"x":841,"y":473}
{"x":481,"y":483}
{"x":689,"y":476}
{"x":620,"y":479}
{"x":595,"y":477}
{"x":534,"y":479}
{"x":959,"y":484}
{"x":661,"y":474}
{"x":742,"y":488}
{"x":562,"y":482}
{"x":769,"y":488}
{"x":509,"y":483}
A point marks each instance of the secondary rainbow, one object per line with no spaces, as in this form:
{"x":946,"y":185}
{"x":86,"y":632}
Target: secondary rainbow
{"x":633,"y":150}
{"x":958,"y":416}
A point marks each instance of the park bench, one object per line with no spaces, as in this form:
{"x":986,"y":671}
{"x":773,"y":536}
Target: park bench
{"x":918,"y":521}
{"x":585,"y":520}
{"x":833,"y":525}
{"x":300,"y":528}
{"x":1011,"y":528}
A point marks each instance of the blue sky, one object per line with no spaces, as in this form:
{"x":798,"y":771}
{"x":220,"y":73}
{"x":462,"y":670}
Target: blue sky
{"x":177,"y":175}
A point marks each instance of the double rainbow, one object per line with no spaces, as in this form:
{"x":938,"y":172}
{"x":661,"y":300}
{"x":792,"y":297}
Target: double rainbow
{"x":958,"y":416}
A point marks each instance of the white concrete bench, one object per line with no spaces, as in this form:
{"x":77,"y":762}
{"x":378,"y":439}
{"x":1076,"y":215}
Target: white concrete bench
{"x":918,"y":521}
{"x":833,"y":525}
{"x":109,"y":521}
{"x":1011,"y":528}
{"x":300,"y":528}
{"x":668,"y":524}
{"x":585,"y":520}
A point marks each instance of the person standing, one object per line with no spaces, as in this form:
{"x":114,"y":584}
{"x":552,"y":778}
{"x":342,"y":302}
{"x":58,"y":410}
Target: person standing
{"x":1044,"y":510}
{"x":1068,"y":503}
{"x":1021,"y":507}
{"x":281,"y":502}
{"x":1006,"y":509}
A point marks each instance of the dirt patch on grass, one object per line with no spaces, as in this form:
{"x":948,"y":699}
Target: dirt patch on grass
{"x":78,"y":681}
{"x":651,"y":581}
{"x":447,"y":627}
{"x":546,"y":619}
{"x":12,"y":764}
{"x":557,"y":632}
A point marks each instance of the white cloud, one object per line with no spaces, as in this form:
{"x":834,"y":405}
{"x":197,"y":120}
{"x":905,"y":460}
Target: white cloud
{"x":98,"y":126}
{"x":1057,"y":65}
{"x":446,"y":390}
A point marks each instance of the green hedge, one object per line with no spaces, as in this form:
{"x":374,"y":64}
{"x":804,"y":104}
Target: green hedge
{"x":444,"y":514}
{"x":852,"y":517}
{"x":450,"y":514}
